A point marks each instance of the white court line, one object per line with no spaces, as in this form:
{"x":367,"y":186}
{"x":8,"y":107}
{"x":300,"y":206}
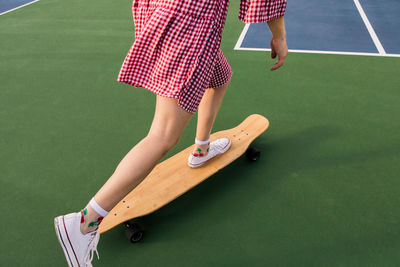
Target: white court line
{"x":369,"y":28}
{"x":323,"y":52}
{"x":18,"y":7}
{"x":242,"y":36}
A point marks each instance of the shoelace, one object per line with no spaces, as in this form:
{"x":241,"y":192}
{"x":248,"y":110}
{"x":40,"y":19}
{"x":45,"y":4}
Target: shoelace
{"x":92,"y":247}
{"x":218,"y":146}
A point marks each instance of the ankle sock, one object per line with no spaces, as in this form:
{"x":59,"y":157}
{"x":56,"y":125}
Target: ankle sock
{"x":97,"y":208}
{"x":91,"y":217}
{"x":202,"y":142}
{"x":199,"y":151}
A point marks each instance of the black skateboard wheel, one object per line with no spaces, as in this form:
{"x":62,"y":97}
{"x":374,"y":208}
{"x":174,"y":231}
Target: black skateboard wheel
{"x":133,"y":232}
{"x":253,"y":154}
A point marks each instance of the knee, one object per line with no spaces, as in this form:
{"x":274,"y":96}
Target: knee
{"x":170,"y":142}
{"x":165,"y":141}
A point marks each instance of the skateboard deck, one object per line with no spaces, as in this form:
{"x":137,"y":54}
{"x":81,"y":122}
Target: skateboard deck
{"x":173,"y":177}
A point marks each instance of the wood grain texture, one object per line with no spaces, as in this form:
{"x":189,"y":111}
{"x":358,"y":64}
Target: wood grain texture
{"x":173,"y":177}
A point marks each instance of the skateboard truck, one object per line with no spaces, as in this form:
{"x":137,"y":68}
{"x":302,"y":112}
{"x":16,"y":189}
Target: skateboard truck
{"x":253,"y":154}
{"x":133,"y":232}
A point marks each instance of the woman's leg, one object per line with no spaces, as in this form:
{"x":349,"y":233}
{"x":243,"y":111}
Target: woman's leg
{"x":207,"y":112}
{"x":168,"y":124}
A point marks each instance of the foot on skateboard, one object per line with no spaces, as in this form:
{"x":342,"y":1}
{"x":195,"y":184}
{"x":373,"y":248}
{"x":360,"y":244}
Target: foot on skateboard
{"x":217,"y":147}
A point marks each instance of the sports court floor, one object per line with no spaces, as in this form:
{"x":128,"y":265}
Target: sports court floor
{"x":325,"y":191}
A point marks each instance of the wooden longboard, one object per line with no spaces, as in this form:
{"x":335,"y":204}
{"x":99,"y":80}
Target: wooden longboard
{"x":173,"y":177}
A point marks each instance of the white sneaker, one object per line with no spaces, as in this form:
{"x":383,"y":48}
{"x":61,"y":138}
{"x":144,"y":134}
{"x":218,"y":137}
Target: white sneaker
{"x":78,"y":248}
{"x":217,"y":147}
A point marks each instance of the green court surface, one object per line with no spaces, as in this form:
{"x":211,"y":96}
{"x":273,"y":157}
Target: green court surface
{"x":325,"y":191}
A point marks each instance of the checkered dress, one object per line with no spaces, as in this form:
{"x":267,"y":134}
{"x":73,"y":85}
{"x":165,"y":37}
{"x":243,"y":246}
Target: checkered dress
{"x":177,"y":52}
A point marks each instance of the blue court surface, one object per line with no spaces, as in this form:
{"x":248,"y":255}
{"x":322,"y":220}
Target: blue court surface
{"x":359,"y":27}
{"x":10,"y":5}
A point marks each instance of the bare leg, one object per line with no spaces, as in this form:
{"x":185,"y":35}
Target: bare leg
{"x":207,"y":112}
{"x":168,"y":124}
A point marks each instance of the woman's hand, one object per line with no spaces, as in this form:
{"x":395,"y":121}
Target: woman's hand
{"x":278,"y":42}
{"x":278,"y":48}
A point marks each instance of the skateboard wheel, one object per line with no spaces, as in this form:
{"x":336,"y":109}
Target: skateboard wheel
{"x":133,"y":232}
{"x":253,"y":154}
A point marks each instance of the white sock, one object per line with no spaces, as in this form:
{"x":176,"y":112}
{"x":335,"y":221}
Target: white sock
{"x":198,"y":142}
{"x":102,"y":212}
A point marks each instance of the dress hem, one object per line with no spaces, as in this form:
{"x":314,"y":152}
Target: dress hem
{"x":153,"y":90}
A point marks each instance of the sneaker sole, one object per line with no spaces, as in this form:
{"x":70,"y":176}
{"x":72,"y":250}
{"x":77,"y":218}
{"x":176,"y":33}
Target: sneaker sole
{"x":63,"y":239}
{"x":193,"y":166}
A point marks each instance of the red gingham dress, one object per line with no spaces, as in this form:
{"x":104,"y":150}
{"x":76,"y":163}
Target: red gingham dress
{"x":176,"y":52}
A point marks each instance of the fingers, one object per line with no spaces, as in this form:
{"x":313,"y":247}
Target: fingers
{"x":280,"y":62}
{"x":273,"y":52}
{"x":278,"y":49}
{"x":277,"y":65}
